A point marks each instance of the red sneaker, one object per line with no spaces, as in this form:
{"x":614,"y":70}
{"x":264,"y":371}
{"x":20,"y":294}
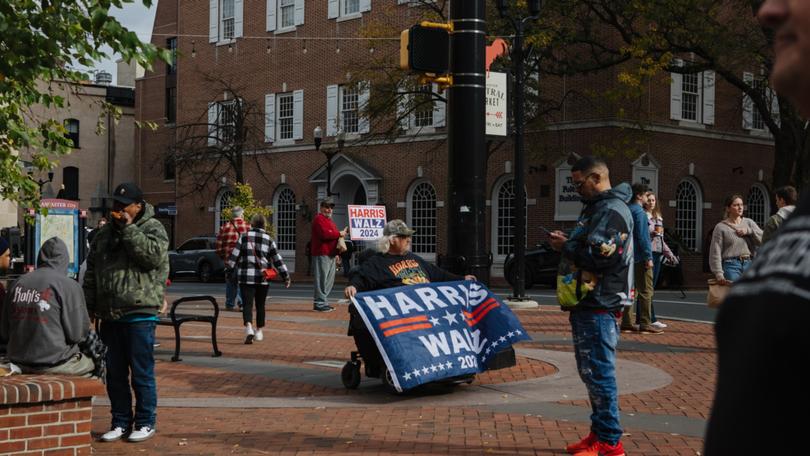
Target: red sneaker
{"x":582,"y":445}
{"x":602,"y":449}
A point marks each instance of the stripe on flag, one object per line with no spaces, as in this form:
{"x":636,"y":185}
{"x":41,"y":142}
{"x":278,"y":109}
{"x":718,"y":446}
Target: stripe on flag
{"x":403,"y":329}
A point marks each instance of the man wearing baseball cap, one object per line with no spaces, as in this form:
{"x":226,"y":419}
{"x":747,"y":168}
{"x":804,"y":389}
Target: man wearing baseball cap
{"x":323,"y":248}
{"x":124,"y":286}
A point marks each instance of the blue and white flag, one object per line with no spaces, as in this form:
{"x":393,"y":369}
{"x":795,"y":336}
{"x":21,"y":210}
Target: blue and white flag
{"x":434,"y":331}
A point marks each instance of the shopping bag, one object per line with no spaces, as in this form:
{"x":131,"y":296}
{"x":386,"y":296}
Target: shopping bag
{"x":717,"y":293}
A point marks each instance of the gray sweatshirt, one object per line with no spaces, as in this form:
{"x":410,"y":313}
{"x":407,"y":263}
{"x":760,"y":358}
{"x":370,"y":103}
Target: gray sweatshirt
{"x":44,"y":314}
{"x":726,"y":244}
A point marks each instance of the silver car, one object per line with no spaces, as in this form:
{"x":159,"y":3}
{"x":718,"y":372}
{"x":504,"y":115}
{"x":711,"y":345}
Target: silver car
{"x":196,"y":257}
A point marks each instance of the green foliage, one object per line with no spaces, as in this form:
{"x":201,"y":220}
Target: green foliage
{"x":243,"y":197}
{"x":41,"y":40}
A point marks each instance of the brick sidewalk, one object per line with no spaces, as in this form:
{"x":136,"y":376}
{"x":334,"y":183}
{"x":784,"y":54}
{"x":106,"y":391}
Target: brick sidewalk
{"x":297,"y":337}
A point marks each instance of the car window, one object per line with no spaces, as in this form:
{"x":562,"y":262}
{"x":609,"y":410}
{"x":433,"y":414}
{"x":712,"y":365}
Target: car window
{"x":193,"y":244}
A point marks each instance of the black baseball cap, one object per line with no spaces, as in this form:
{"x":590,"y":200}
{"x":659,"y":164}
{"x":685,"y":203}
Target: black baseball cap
{"x":128,"y":193}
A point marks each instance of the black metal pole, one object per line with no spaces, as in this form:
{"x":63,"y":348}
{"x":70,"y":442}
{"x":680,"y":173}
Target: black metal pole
{"x":467,"y":159}
{"x":520,"y":166}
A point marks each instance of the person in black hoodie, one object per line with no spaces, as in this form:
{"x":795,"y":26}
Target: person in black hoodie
{"x":760,"y":351}
{"x":45,"y":317}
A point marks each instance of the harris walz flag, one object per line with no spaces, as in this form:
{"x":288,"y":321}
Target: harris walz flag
{"x":434,"y":331}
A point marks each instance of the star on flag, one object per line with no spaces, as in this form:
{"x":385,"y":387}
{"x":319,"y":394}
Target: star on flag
{"x":435,"y":321}
{"x":450,"y":317}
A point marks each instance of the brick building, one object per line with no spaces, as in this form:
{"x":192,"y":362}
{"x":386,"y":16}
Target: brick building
{"x":291,"y":62}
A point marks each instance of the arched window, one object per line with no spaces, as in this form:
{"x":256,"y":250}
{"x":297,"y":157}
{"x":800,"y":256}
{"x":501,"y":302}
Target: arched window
{"x":223,"y":202}
{"x":284,"y":219}
{"x":689,"y":213}
{"x":759,"y":205}
{"x":503,"y":213}
{"x":422,"y":218}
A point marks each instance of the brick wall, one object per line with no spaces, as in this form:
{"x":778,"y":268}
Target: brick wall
{"x":46,"y":415}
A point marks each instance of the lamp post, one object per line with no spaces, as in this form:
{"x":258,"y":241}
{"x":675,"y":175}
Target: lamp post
{"x":41,"y":182}
{"x":519,"y":291}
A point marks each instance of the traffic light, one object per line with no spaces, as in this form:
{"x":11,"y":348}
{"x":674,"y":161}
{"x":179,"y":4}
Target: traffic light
{"x":425,"y":49}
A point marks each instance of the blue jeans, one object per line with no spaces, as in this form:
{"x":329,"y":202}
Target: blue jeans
{"x":232,"y":293}
{"x":595,"y":337}
{"x":733,"y":268}
{"x":130,"y":347}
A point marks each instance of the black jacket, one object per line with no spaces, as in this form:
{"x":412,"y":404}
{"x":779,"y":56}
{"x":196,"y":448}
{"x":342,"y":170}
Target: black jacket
{"x":383,"y":270}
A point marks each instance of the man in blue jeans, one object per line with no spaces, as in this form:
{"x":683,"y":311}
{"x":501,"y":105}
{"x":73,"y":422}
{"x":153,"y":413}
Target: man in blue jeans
{"x":124,"y":287}
{"x":601,"y":250}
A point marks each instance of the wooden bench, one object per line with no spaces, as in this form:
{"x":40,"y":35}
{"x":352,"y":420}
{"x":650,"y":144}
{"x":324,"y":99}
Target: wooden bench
{"x":176,"y":319}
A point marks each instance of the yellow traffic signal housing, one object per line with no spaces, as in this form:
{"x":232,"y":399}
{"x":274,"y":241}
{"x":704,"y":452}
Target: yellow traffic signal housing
{"x":425,"y":48}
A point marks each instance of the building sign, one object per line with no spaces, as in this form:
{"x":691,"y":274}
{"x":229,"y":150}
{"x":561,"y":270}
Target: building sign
{"x":366,"y":223}
{"x":567,"y":202}
{"x":497,"y":104}
{"x":645,"y":171}
{"x":166,"y":209}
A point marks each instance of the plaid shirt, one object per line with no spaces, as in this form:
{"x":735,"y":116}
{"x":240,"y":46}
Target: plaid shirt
{"x":228,"y":235}
{"x":250,"y":255}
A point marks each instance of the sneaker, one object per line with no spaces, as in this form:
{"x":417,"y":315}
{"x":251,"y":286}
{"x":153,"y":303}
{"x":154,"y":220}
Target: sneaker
{"x":324,"y":309}
{"x":650,"y":329}
{"x":602,"y":449}
{"x":659,"y":325}
{"x":142,"y":433}
{"x":630,"y":329}
{"x":582,"y":445}
{"x":113,"y":434}
{"x":259,"y":335}
{"x":249,"y":334}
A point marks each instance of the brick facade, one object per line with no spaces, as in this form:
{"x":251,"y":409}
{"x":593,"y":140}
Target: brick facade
{"x":721,"y":158}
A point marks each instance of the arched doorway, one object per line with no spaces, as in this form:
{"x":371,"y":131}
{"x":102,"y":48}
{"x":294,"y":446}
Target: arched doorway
{"x":346,"y":189}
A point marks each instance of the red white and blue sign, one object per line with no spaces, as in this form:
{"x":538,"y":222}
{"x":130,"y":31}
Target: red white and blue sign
{"x":435,"y":331}
{"x":366,"y":223}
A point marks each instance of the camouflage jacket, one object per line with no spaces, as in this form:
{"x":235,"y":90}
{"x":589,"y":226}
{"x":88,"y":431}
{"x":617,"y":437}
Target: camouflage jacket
{"x":127,"y":268}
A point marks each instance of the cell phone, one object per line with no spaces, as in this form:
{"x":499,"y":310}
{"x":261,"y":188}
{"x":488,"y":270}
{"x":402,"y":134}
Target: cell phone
{"x":545,"y":230}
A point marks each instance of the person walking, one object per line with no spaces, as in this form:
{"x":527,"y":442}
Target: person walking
{"x":601,"y":248}
{"x":759,"y":349}
{"x":226,"y":240}
{"x":323,"y":248}
{"x":734,"y":242}
{"x":660,"y":249}
{"x":642,"y":267}
{"x":45,"y":317}
{"x":786,"y":202}
{"x":124,"y":287}
{"x":249,"y":258}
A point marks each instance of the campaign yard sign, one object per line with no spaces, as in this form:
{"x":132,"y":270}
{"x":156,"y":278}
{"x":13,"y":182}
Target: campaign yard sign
{"x":366,"y":223}
{"x":434,"y":331}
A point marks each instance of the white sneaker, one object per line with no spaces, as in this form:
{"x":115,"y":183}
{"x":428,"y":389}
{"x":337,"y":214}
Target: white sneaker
{"x":112,"y":435}
{"x":249,"y":334}
{"x":141,"y":434}
{"x":658,"y":324}
{"x":259,"y":335}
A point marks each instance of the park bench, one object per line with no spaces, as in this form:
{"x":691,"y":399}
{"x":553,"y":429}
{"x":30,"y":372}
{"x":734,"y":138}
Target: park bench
{"x":175,"y":319}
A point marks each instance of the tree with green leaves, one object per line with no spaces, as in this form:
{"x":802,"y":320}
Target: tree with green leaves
{"x":243,"y":197}
{"x":42,"y":41}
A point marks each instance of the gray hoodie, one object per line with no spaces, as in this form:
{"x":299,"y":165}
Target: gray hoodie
{"x":44,"y":314}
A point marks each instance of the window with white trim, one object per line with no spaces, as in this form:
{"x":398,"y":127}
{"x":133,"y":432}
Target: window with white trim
{"x":349,"y":109}
{"x":222,"y":202}
{"x":286,"y":10}
{"x":285,"y":116}
{"x":422,"y":218}
{"x":348,"y":7}
{"x":758,"y":204}
{"x":691,"y":97}
{"x":285,"y":219}
{"x":423,"y":110}
{"x":227,"y":19}
{"x":228,"y":112}
{"x":688,"y":205}
{"x":505,"y":214}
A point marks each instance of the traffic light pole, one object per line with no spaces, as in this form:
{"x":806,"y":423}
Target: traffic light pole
{"x":520,"y":166}
{"x":467,"y":157}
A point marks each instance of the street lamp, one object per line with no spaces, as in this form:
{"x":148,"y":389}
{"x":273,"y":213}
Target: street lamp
{"x":519,"y":291}
{"x":40,"y":182}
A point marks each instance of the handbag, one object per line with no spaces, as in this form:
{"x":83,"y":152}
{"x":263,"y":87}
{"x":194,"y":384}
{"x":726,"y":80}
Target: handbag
{"x":268,"y":273}
{"x":717,"y":293}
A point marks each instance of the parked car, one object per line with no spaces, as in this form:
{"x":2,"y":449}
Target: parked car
{"x":541,"y":266}
{"x":196,"y":257}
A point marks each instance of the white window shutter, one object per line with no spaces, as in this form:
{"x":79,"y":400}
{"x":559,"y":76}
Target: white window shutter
{"x":748,"y":104}
{"x":774,"y":106}
{"x":298,"y":114}
{"x":331,"y":110}
{"x":272,"y":6}
{"x":676,"y":93}
{"x":365,"y":5}
{"x":213,"y":21}
{"x":708,"y":97}
{"x":334,"y":9}
{"x":299,"y":12}
{"x":362,"y":107}
{"x":212,"y":123}
{"x":403,"y":115}
{"x":238,"y":17}
{"x":439,"y":108}
{"x":270,"y":117}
